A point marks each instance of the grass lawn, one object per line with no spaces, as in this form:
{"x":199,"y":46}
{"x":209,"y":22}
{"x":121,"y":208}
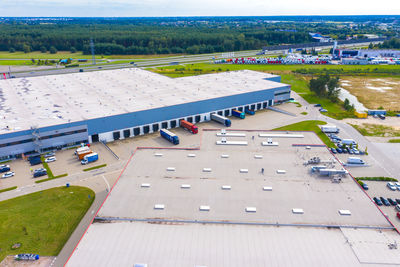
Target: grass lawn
{"x":43,"y":221}
{"x":394,"y":141}
{"x":208,"y":68}
{"x":369,"y":129}
{"x":309,"y":126}
{"x":16,"y":62}
{"x":39,"y":55}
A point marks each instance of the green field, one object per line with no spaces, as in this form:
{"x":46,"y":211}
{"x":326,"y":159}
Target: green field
{"x":309,"y":126}
{"x":209,"y":68}
{"x":43,"y":221}
{"x":39,"y":55}
{"x":16,"y":62}
{"x":299,"y":83}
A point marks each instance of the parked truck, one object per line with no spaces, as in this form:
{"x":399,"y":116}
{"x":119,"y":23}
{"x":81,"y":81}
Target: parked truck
{"x":249,"y":111}
{"x":355,"y":160}
{"x":221,"y":119}
{"x":330,"y":129}
{"x":82,"y":149}
{"x":189,"y":126}
{"x":89,"y":158}
{"x":238,"y":114}
{"x":83,"y":154}
{"x":348,"y":142}
{"x":173,"y":138}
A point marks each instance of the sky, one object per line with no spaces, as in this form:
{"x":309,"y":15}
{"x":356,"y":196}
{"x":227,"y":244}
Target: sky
{"x":166,"y":8}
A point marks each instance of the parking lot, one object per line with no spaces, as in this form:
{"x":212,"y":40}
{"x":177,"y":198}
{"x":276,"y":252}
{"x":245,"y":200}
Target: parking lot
{"x":66,"y":162}
{"x":379,"y":189}
{"x":182,"y":180}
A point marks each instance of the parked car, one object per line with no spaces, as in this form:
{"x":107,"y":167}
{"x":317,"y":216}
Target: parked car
{"x":344,"y":150}
{"x":365,"y":186}
{"x":8,"y":174}
{"x":50,"y":154}
{"x":398,"y":207}
{"x":378,"y":201}
{"x":381,"y":116}
{"x":392,"y":202}
{"x":39,"y":170}
{"x":385,"y":201}
{"x":333,"y":150}
{"x":398,"y":215}
{"x":398,"y":201}
{"x":317,"y":105}
{"x":339,"y":150}
{"x":51,"y":159}
{"x":322,"y":110}
{"x":4,"y":168}
{"x":39,"y":173}
{"x":391,"y":186}
{"x":350,"y":151}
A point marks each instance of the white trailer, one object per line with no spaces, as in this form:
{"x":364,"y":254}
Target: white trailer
{"x":330,"y":129}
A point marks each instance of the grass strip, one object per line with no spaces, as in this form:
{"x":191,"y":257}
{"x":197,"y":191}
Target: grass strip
{"x":394,"y":141}
{"x":46,"y":166}
{"x":95,"y":167}
{"x":8,"y":189}
{"x":311,"y":125}
{"x":377,"y":178}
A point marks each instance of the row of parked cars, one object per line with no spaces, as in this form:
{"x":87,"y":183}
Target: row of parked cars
{"x":346,"y":150}
{"x":393,"y":186}
{"x":6,"y":170}
{"x":387,"y":202}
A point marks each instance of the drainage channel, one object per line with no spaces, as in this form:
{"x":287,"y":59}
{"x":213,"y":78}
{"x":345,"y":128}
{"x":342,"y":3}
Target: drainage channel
{"x":110,"y":219}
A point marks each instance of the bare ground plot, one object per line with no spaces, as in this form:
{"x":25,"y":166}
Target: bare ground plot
{"x":375,"y":92}
{"x":42,"y":262}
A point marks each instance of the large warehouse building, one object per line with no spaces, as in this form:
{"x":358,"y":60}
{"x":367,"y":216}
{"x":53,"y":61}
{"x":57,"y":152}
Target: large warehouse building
{"x":52,"y":112}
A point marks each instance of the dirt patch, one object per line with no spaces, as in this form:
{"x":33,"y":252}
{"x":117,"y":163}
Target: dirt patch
{"x":368,"y":129}
{"x":375,"y":92}
{"x":42,"y":262}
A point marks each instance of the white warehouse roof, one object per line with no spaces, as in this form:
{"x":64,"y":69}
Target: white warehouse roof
{"x":50,"y":100}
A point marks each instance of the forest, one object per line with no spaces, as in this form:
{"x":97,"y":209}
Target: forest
{"x":164,"y":35}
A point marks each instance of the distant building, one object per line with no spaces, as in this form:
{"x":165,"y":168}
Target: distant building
{"x":379,"y":53}
{"x":354,"y":61}
{"x":316,"y":37}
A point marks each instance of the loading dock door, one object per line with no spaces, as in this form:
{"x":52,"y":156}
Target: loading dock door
{"x":95,"y":138}
{"x":136,"y":131}
{"x":155,"y":127}
{"x":116,"y":135}
{"x":190,"y":119}
{"x":173,"y":123}
{"x":146,"y":129}
{"x":197,"y":118}
{"x":127,"y":133}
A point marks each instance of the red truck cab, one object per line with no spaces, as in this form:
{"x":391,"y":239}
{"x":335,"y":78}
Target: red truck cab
{"x":189,"y":126}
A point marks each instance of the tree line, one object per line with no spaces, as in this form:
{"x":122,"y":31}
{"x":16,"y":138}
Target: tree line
{"x":161,"y":35}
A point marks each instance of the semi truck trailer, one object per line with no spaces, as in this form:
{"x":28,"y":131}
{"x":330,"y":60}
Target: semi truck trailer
{"x":189,"y":126}
{"x":84,"y":153}
{"x":238,"y":114}
{"x":330,"y":129}
{"x":221,"y":119}
{"x":89,"y":158}
{"x":173,"y":138}
{"x":249,"y":111}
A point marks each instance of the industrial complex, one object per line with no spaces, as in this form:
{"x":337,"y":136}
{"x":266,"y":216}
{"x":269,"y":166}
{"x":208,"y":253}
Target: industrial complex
{"x":64,"y":110}
{"x":234,"y":203}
